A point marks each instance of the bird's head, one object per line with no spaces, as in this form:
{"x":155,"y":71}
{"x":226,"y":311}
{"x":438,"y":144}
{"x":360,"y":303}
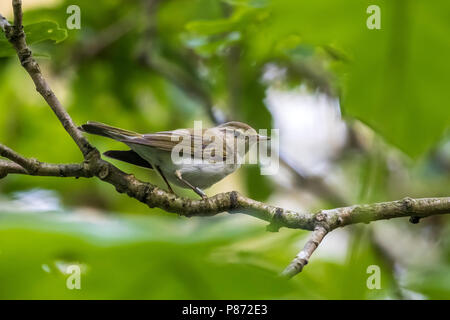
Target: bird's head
{"x":242,"y":130}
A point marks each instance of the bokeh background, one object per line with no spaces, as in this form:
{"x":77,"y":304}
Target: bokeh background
{"x":363,"y":117}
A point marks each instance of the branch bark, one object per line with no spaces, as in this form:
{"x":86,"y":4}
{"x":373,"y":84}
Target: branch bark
{"x":320,"y":222}
{"x":22,"y":165}
{"x":232,"y":202}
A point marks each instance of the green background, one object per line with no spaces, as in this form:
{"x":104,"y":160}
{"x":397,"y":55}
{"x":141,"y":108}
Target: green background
{"x":393,"y":82}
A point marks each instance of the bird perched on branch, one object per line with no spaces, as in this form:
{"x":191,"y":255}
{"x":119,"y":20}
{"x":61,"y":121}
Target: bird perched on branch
{"x":189,"y":158}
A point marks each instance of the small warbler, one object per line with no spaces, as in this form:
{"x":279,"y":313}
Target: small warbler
{"x":209,"y":155}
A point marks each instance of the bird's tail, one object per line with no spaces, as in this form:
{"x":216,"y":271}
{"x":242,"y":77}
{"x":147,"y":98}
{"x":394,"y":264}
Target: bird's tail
{"x":105,"y":130}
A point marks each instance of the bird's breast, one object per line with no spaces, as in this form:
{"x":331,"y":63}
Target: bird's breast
{"x":202,"y":174}
{"x":205,"y":175}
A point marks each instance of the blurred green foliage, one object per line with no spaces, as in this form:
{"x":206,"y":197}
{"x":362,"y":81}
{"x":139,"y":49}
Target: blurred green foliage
{"x":160,"y":258}
{"x":393,"y":79}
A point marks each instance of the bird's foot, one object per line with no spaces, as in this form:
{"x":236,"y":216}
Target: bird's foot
{"x":197,"y":190}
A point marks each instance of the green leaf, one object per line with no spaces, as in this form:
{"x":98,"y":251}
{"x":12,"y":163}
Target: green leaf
{"x":6,"y":49}
{"x":239,"y":19}
{"x":35,"y":33}
{"x":45,"y":30}
{"x":397,"y":78}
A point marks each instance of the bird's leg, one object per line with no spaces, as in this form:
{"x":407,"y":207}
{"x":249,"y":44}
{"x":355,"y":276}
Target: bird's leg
{"x":164,"y":178}
{"x":197,"y":190}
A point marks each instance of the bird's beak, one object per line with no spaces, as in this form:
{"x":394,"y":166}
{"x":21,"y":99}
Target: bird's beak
{"x":262,"y":138}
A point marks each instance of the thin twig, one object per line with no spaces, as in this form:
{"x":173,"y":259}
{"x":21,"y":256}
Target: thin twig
{"x":303,"y":256}
{"x":17,"y":8}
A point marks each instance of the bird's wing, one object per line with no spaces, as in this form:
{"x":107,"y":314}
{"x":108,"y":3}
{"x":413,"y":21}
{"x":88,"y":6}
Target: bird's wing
{"x":199,"y":146}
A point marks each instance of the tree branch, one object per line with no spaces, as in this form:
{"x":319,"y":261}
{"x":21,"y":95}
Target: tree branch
{"x":15,"y":157}
{"x":320,"y":222}
{"x":22,"y":165}
{"x":232,"y":202}
{"x":16,"y":37}
{"x":17,"y":9}
{"x":7,"y":167}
